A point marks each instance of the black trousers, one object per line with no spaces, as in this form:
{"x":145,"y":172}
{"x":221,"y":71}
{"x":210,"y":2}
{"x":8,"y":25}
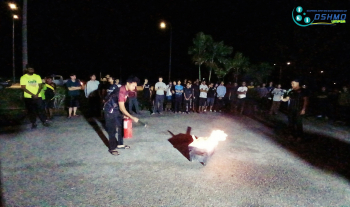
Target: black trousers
{"x":35,"y":108}
{"x":295,"y":123}
{"x":94,"y":106}
{"x":220,"y":103}
{"x":187,"y":104}
{"x":133,"y":102}
{"x":178,"y":101}
{"x":114,"y":121}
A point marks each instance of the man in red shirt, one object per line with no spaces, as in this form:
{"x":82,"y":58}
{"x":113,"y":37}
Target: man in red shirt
{"x":115,"y":110}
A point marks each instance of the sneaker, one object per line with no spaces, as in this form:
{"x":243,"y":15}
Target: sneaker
{"x":186,"y":112}
{"x":160,"y":113}
{"x":205,"y":110}
{"x":211,"y":110}
{"x":214,"y":110}
{"x":153,"y":113}
{"x":34,"y":126}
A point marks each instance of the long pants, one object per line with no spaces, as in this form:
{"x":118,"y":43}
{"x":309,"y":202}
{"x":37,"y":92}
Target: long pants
{"x":295,"y":123}
{"x":195,"y":102}
{"x":220,"y":103}
{"x":148,"y":103}
{"x":187,"y":104}
{"x":323,"y":108}
{"x":114,"y":121}
{"x":275,"y":106}
{"x":94,"y":106}
{"x":159,"y":103}
{"x":178,"y":101}
{"x":241,"y":104}
{"x":133,"y":102}
{"x":35,"y":108}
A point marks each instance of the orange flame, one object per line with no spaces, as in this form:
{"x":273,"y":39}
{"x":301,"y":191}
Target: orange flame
{"x":209,"y":143}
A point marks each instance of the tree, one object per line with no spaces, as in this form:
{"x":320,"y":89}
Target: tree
{"x":199,"y":49}
{"x":261,"y":71}
{"x":217,"y":52}
{"x":240,"y":64}
{"x":227,"y":66}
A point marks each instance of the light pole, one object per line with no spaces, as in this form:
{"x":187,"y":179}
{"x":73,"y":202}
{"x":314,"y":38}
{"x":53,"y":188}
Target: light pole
{"x":163,"y":26}
{"x":13,"y":48}
{"x":13,"y":7}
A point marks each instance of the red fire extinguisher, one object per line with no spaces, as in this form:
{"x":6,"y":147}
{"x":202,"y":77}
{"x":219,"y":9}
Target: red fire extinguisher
{"x":127,"y":128}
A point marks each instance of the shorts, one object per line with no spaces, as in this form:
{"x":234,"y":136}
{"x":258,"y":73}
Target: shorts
{"x":202,"y":101}
{"x":49,"y":104}
{"x":73,"y":101}
{"x":210,"y":101}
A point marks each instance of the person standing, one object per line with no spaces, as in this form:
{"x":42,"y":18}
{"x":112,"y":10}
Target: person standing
{"x":221,"y":91}
{"x":178,"y":96}
{"x":297,"y":106}
{"x":74,"y":87}
{"x":211,"y":96}
{"x":49,"y":95}
{"x":160,"y":88}
{"x":241,"y":98}
{"x":173,"y":96}
{"x":262,"y":92}
{"x":203,"y":88}
{"x":31,"y":84}
{"x":93,"y":96}
{"x":344,"y":105}
{"x":169,"y":96}
{"x":115,"y":110}
{"x":133,"y":101}
{"x":322,"y":99}
{"x":276,"y":100}
{"x":187,"y":97}
{"x":233,"y":96}
{"x":196,"y":93}
{"x":147,"y":94}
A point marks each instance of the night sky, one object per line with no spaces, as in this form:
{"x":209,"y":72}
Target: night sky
{"x":123,"y":37}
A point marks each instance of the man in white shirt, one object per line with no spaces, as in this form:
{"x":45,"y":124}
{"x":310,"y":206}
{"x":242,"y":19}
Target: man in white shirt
{"x":91,"y":92}
{"x":203,"y":88}
{"x":242,"y":94}
{"x":160,"y":89}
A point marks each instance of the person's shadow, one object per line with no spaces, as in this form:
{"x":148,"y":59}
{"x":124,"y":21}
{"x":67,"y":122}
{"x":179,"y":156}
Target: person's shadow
{"x":322,"y":151}
{"x":181,"y":142}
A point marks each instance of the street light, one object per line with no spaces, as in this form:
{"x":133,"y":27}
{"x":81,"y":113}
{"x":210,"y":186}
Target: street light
{"x":13,"y":48}
{"x":13,"y":6}
{"x":163,"y":26}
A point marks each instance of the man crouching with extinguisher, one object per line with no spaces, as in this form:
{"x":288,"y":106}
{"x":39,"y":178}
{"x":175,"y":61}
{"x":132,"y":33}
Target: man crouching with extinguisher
{"x":114,"y":111}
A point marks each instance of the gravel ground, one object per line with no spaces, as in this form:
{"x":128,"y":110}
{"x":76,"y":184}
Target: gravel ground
{"x":68,"y":164}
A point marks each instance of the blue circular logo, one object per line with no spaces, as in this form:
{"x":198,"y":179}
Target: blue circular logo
{"x":299,"y":18}
{"x":299,"y":9}
{"x":307,"y":20}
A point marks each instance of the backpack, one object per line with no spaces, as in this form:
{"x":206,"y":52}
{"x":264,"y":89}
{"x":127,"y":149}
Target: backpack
{"x":111,"y":101}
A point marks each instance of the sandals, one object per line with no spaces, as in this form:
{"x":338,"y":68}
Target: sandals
{"x":124,"y":147}
{"x":114,"y":152}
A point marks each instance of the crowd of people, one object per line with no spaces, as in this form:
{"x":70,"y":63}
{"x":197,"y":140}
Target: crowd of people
{"x":180,"y":98}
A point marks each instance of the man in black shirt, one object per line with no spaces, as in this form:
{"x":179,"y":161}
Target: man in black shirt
{"x":298,"y":103}
{"x":196,"y":93}
{"x":211,"y":96}
{"x":233,"y":96}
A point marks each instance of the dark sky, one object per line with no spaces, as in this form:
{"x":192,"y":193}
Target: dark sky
{"x":85,"y":36}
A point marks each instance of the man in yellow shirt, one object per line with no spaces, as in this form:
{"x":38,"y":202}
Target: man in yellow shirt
{"x":31,"y":84}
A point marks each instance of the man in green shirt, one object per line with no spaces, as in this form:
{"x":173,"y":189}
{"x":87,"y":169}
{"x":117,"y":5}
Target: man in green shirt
{"x":31,"y":84}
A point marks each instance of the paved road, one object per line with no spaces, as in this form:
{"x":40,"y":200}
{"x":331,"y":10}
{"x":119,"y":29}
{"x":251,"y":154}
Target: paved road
{"x":68,"y":165}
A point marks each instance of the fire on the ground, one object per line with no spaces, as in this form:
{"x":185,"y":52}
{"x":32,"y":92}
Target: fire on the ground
{"x":209,"y":143}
